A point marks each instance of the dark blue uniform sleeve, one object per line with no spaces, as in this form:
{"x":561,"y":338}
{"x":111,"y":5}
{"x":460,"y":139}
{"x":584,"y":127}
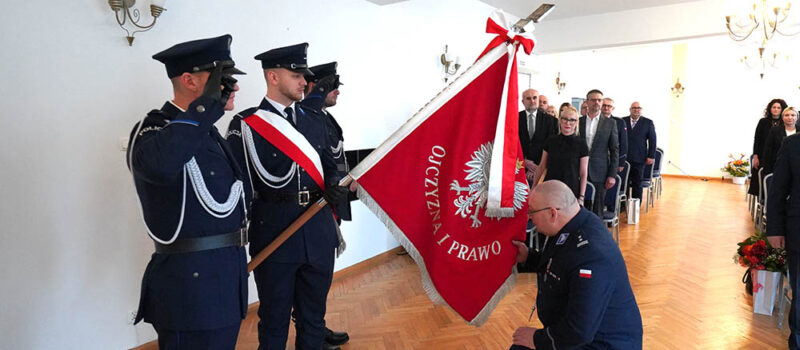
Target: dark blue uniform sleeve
{"x":651,"y":141}
{"x":158,"y":155}
{"x":781,"y":185}
{"x":588,"y":299}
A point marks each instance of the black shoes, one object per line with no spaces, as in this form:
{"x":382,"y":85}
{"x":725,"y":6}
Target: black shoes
{"x":326,"y":346}
{"x":335,"y":338}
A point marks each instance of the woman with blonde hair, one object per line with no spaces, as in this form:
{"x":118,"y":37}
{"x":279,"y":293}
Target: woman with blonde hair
{"x":776,"y":136}
{"x":566,"y":156}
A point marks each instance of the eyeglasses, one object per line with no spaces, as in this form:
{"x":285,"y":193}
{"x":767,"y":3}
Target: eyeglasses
{"x":568,"y":120}
{"x":531,"y":212}
{"x":636,"y":107}
{"x":595,"y":99}
{"x":608,"y":106}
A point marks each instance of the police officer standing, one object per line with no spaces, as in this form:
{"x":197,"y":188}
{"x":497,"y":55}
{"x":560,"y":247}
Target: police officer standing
{"x":322,"y":92}
{"x":194,"y":203}
{"x":584,"y":297}
{"x":286,"y":178}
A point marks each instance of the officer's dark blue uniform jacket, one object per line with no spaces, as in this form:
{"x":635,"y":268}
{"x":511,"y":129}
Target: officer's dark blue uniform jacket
{"x":314,"y":242}
{"x":198,"y":290}
{"x":313,"y":104}
{"x":584,"y":297}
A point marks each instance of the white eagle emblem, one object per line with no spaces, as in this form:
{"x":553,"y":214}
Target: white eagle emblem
{"x":477,"y":188}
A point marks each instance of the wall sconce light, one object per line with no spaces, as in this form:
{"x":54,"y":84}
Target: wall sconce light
{"x":560,"y":84}
{"x":451,"y":65}
{"x":124,"y":13}
{"x":678,"y":88}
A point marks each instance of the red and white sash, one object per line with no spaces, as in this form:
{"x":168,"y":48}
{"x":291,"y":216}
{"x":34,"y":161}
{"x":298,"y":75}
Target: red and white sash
{"x":277,"y":131}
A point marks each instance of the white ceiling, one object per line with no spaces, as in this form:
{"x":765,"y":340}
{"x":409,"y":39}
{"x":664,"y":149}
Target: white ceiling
{"x":576,"y":8}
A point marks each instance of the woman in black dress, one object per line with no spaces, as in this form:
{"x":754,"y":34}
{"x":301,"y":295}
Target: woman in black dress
{"x":772,"y":118}
{"x":775,"y":139}
{"x":566,"y":156}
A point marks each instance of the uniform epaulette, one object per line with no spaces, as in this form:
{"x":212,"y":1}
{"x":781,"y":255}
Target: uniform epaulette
{"x":155,"y":120}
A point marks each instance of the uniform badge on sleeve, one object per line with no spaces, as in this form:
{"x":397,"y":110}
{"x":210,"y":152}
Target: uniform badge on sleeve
{"x":585,"y":273}
{"x":562,"y":238}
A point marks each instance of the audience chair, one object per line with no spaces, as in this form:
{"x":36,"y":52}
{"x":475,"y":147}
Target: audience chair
{"x":647,"y":184}
{"x":763,"y":220}
{"x":611,"y":217}
{"x":588,"y":195}
{"x":657,"y":172}
{"x":747,"y":196}
{"x":760,"y":199}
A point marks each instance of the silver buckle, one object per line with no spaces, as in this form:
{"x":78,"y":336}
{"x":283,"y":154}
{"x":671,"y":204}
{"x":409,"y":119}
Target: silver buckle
{"x":243,"y":238}
{"x":303,"y":198}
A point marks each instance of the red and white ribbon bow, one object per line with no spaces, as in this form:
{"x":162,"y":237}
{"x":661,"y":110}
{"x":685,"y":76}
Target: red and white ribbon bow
{"x":506,"y":152}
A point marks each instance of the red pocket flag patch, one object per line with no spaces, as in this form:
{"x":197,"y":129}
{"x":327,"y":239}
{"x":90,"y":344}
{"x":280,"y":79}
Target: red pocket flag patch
{"x":585,"y":273}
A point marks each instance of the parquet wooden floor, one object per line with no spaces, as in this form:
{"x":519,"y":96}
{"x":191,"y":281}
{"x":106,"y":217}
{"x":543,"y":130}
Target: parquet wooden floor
{"x":679,"y":258}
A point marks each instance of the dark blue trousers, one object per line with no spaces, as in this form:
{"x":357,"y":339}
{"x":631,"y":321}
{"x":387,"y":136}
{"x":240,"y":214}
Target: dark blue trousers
{"x":794,"y":316}
{"x":213,"y":339}
{"x":635,"y":179}
{"x":282,"y":286}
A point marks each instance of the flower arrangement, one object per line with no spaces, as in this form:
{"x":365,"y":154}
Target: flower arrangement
{"x":755,"y":252}
{"x":737,"y":167}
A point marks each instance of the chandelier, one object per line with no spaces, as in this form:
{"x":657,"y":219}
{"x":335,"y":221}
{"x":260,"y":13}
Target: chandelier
{"x":768,"y":15}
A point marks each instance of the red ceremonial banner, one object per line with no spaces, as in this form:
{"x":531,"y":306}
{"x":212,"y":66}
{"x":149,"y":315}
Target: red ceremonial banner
{"x":429,"y":183}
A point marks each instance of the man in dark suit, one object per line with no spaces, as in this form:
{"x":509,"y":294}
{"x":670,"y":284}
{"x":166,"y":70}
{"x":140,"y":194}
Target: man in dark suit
{"x":299,"y":273}
{"x":783,"y":220}
{"x":622,"y":131}
{"x":535,"y":126}
{"x":641,"y":147}
{"x":603,"y":141}
{"x":194,"y":289}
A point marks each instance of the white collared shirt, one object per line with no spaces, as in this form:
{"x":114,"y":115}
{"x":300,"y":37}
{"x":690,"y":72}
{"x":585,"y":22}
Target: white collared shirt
{"x":281,"y":108}
{"x":591,"y":129}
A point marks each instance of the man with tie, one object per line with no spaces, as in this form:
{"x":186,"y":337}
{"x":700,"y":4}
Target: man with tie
{"x":285,"y":149}
{"x":535,"y":126}
{"x":622,"y":130}
{"x":641,"y":147}
{"x":194,"y":289}
{"x":601,"y":137}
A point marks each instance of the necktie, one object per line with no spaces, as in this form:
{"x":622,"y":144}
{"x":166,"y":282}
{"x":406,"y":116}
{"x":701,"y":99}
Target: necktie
{"x":633,"y":123}
{"x":531,"y":125}
{"x":290,"y":116}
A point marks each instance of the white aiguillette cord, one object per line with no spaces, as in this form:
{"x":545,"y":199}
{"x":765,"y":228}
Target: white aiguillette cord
{"x":211,"y":206}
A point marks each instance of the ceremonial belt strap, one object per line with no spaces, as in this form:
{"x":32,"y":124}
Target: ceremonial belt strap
{"x":302,"y":198}
{"x":237,"y":238}
{"x":278,"y":132}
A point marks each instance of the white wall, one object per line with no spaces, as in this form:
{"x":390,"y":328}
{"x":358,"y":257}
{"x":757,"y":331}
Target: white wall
{"x":722,"y":101}
{"x":646,"y":25}
{"x":74,"y":249}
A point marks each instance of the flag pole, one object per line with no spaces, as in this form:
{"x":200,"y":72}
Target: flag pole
{"x":293,"y":227}
{"x":535,"y":16}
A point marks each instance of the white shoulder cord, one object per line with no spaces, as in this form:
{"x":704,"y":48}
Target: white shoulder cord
{"x":141,"y":209}
{"x":212,"y":207}
{"x":337,"y":151}
{"x":263,"y":174}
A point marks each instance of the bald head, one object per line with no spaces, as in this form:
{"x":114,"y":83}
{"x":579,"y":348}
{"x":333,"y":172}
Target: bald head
{"x":530,"y":99}
{"x":552,"y":205}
